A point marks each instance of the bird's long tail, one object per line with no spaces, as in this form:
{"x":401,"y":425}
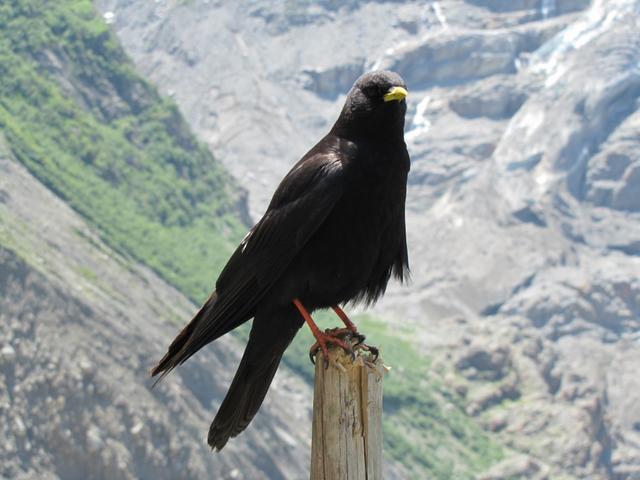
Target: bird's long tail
{"x":212,"y":321}
{"x":270,"y":337}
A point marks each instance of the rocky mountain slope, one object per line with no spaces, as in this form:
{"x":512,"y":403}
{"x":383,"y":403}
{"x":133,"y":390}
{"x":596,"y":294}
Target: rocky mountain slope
{"x":523,"y":205}
{"x":102,"y":180}
{"x":81,"y":326}
{"x":103,"y":191}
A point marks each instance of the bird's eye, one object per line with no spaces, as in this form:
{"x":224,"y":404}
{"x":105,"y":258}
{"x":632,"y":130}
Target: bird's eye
{"x":372,"y":91}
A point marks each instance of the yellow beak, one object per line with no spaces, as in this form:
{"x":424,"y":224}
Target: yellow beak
{"x":395,"y":93}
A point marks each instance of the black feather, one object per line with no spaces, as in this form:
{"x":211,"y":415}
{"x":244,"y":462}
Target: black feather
{"x":270,"y":336}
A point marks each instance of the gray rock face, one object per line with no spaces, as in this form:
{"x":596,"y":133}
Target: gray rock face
{"x":80,"y":327}
{"x":612,"y":178}
{"x":497,"y":99}
{"x":523,"y":213}
{"x":445,"y":57}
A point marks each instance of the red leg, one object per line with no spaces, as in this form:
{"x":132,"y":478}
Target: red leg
{"x":343,"y":316}
{"x":353,"y":330}
{"x":322,"y":338}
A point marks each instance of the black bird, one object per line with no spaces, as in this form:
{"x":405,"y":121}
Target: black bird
{"x":334,"y":232}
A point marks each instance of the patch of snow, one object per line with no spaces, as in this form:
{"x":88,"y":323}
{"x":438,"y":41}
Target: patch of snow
{"x":544,"y":179}
{"x":526,"y":123}
{"x":420,"y":123}
{"x":589,"y":34}
{"x":517,"y":63}
{"x":8,"y":353}
{"x":387,"y":53}
{"x":285,"y":436}
{"x":437,"y":9}
{"x":19,"y":428}
{"x":242,"y":45}
{"x":547,"y":7}
{"x":94,"y":440}
{"x":109,"y":17}
{"x":443,"y":207}
{"x":556,"y":74}
{"x":377,"y":64}
{"x":137,"y":428}
{"x":549,"y":58}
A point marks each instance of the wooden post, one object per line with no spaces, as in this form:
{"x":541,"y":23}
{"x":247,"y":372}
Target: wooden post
{"x":347,"y":418}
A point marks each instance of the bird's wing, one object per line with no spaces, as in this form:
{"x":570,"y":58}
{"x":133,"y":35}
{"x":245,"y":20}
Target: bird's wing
{"x":299,"y":206}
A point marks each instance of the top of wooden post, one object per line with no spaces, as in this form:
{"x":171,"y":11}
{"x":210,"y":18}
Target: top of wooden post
{"x":347,"y":417}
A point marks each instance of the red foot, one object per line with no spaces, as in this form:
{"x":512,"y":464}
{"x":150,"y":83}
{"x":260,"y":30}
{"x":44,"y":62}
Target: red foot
{"x":324,"y":339}
{"x":353,"y":330}
{"x":334,"y":336}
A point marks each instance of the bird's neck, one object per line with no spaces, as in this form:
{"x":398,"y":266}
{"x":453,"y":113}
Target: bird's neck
{"x":391,"y":130}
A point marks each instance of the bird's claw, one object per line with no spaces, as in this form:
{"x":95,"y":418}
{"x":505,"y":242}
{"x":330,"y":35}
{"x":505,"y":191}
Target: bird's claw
{"x":350,"y":333}
{"x":333,"y":337}
{"x":371,"y":349}
{"x":359,"y":338}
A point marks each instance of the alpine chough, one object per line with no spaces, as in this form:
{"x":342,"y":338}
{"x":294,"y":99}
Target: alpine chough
{"x":333,"y":233}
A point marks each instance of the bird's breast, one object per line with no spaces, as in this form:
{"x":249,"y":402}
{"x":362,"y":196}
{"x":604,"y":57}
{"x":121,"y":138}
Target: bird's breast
{"x":361,"y":236}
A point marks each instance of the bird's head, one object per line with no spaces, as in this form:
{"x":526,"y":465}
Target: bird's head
{"x":375,"y":106}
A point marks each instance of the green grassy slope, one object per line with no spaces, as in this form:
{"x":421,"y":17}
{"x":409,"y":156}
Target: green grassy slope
{"x":77,"y":115}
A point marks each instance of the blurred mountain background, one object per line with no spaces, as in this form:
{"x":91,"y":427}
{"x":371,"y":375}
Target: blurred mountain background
{"x":514,"y":349}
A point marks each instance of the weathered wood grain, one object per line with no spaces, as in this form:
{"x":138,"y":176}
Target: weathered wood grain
{"x":347,"y":418}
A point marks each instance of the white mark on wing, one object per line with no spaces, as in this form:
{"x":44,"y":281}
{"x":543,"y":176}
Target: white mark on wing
{"x":245,"y":241}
